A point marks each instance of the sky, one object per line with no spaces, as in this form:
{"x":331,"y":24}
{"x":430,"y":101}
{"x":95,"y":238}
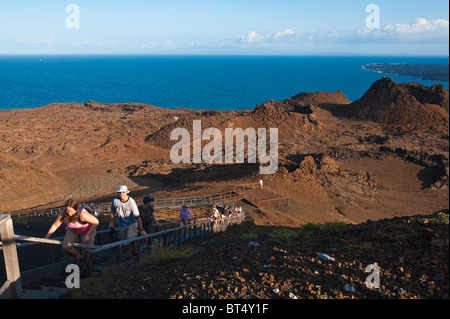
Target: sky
{"x":235,"y":27}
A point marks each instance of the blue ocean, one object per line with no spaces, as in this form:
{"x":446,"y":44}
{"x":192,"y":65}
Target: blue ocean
{"x":200,"y":82}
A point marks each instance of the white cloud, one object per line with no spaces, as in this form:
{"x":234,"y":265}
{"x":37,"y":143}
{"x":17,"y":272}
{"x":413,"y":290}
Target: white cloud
{"x":422,"y":35}
{"x":420,"y":26}
{"x":286,"y":32}
{"x":251,"y":37}
{"x":420,"y":30}
{"x":425,"y":35}
{"x":278,"y":37}
{"x":38,"y":43}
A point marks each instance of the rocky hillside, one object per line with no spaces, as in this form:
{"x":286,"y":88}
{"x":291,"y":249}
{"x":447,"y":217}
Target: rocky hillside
{"x":313,"y":262}
{"x":332,"y":163}
{"x":18,"y":179}
{"x":407,"y":105}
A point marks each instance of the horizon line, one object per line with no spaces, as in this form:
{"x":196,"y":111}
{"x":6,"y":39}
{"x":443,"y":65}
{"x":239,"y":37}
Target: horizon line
{"x":331,"y":54}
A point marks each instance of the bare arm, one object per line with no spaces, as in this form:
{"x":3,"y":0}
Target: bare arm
{"x":86,"y":217}
{"x":140,"y":228}
{"x":155,"y":220}
{"x":111,"y":219}
{"x":54,"y":226}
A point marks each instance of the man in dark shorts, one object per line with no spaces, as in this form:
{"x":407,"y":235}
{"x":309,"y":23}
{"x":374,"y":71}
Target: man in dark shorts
{"x":146,"y":210}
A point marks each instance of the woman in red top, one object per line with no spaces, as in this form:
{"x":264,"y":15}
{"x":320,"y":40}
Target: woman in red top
{"x":81,"y":227}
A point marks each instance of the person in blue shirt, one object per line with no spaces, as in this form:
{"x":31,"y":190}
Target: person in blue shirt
{"x":128,"y":217}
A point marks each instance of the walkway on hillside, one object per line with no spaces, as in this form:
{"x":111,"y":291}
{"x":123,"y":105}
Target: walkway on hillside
{"x":260,"y":197}
{"x":105,"y":253}
{"x":253,"y":193}
{"x":49,"y":281}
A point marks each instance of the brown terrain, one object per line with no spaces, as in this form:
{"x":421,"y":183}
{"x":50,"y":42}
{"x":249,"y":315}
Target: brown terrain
{"x":382,"y":156}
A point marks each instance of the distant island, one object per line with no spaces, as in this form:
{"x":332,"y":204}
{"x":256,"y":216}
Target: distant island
{"x":432,"y":72}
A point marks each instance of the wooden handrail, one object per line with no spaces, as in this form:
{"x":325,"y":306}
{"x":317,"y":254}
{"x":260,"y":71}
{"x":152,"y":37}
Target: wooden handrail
{"x":13,"y":284}
{"x":52,"y":241}
{"x":167,"y":202}
{"x":159,"y":203}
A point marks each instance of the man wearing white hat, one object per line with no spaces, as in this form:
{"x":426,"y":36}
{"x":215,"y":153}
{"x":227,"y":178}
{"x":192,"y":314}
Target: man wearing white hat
{"x":129,"y":220}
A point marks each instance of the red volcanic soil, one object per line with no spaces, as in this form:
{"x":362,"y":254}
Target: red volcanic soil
{"x":408,"y":105}
{"x":338,"y":160}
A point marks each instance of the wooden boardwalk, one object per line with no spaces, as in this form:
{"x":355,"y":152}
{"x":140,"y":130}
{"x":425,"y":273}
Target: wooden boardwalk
{"x":45,"y":281}
{"x":253,"y":193}
{"x":263,"y":198}
{"x":49,"y":281}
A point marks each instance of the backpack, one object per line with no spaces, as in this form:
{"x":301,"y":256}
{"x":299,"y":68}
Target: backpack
{"x":90,"y":209}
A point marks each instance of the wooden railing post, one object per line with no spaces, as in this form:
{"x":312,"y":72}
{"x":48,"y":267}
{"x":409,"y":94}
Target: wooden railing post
{"x":10,"y":256}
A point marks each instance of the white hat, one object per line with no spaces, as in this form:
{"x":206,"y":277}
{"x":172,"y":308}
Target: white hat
{"x":122,"y":189}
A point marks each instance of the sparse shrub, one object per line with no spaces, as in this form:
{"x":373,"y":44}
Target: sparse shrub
{"x":442,"y":217}
{"x":334,"y":228}
{"x":329,"y":228}
{"x":361,"y":246}
{"x":249,"y":236}
{"x":165,"y":253}
{"x":310,"y":229}
{"x":398,"y":236}
{"x":283,"y":235}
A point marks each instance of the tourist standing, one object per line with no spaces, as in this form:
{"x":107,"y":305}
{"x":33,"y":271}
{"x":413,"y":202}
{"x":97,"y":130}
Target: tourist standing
{"x":129,"y":220}
{"x":185,"y":218}
{"x":185,"y":215}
